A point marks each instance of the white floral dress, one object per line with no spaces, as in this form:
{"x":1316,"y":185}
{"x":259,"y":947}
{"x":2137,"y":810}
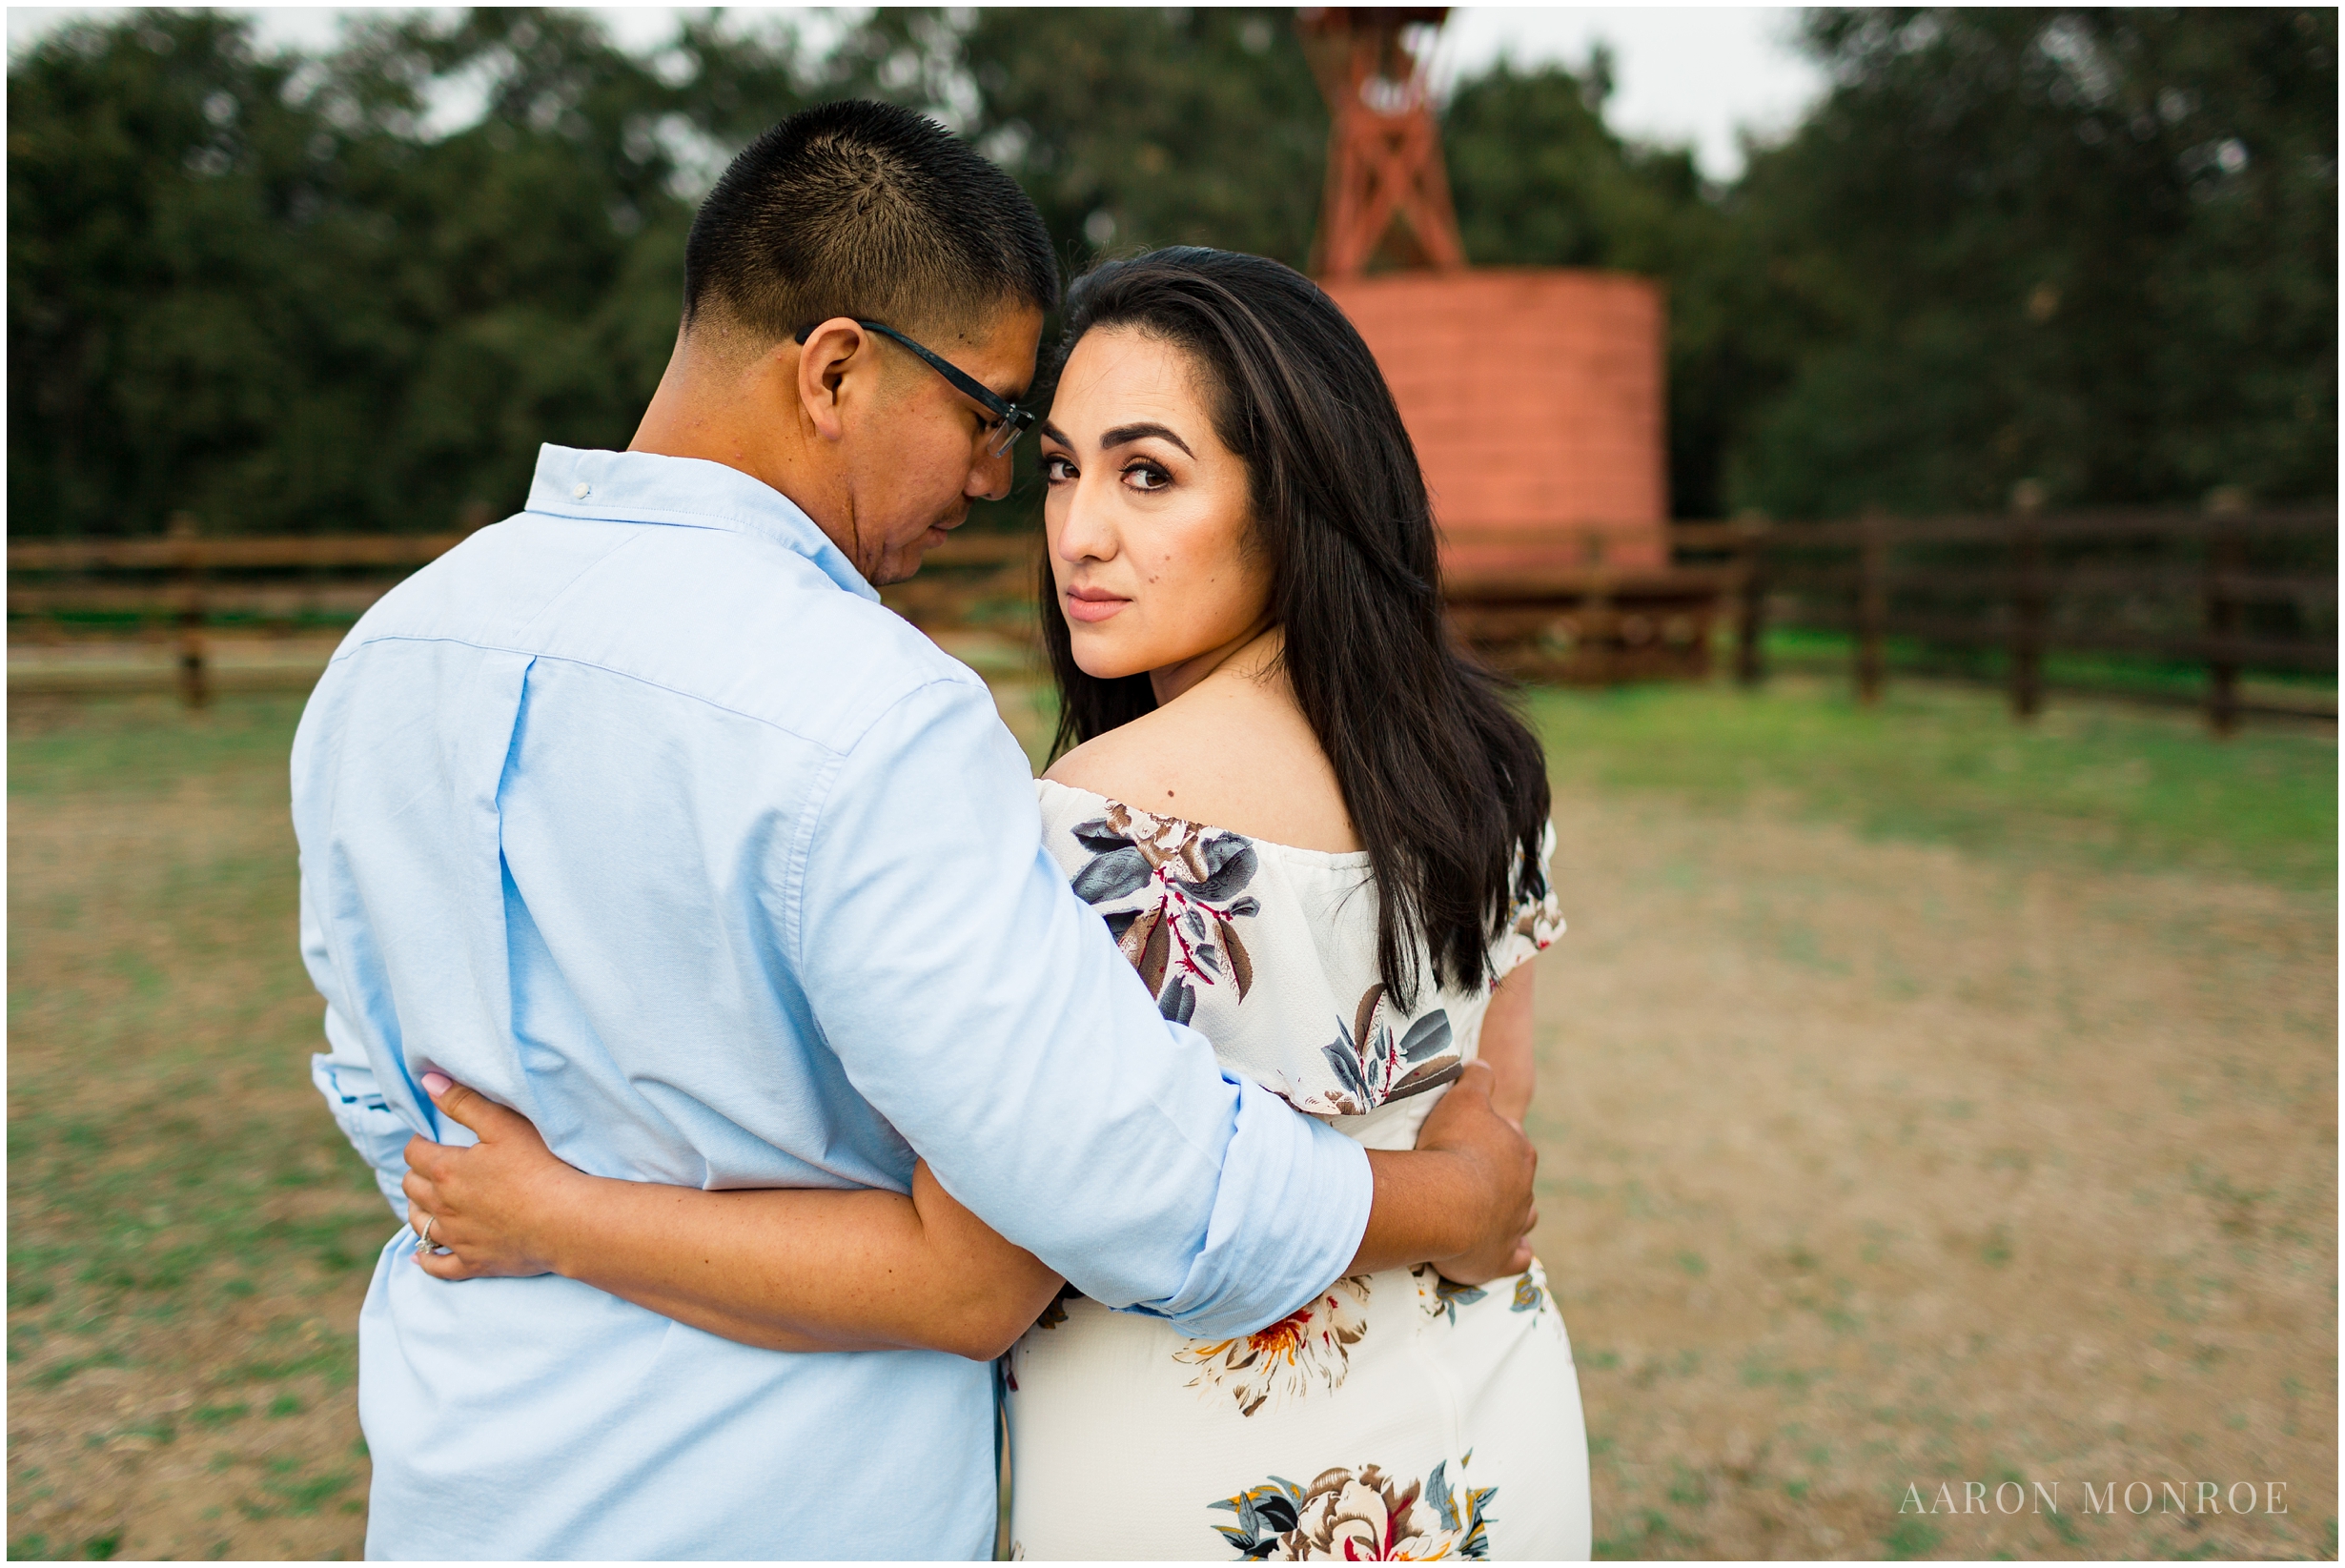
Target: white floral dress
{"x":1399,"y":1417}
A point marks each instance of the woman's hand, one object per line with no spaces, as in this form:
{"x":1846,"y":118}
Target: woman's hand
{"x":1462,"y":1199}
{"x":805,"y":1270}
{"x":497,"y":1206}
{"x":1467,"y":1126}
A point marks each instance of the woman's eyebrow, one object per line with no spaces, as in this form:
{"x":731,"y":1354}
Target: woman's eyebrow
{"x":1124,"y":435}
{"x":1056,"y":434}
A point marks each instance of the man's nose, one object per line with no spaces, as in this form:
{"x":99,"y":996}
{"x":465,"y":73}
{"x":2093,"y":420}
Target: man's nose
{"x":988,"y":478}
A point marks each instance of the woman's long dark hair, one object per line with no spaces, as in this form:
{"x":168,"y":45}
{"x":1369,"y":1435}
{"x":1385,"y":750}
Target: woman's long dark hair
{"x":1447,"y":789}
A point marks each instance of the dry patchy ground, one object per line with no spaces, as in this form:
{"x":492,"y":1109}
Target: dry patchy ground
{"x":1868,"y":1165}
{"x":188,"y":1234}
{"x":1871,"y":1166}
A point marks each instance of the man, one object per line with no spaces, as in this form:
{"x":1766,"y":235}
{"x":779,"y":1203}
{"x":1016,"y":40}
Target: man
{"x":638,"y":814}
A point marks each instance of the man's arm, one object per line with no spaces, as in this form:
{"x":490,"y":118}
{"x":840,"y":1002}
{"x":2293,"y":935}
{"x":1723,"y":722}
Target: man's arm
{"x":345,"y":1076}
{"x":986,"y":1012}
{"x":804,"y":1269}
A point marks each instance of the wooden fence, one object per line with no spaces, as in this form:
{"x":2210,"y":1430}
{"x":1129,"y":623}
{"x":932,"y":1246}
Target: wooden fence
{"x":2230,"y":592}
{"x":1579,"y":618}
{"x":189,"y":580}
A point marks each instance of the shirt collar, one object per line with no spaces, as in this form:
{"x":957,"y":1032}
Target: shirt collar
{"x":687,"y":492}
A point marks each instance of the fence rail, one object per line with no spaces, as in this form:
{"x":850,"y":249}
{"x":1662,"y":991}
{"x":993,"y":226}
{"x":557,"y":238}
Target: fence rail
{"x":2270,"y":588}
{"x":192,"y":580}
{"x":175,"y":577}
{"x":232,"y":553}
{"x":2022,"y":583}
{"x":2032,"y":583}
{"x":1996,"y":527}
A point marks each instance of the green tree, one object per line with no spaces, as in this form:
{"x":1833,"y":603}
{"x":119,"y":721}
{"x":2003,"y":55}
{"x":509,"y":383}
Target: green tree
{"x":1129,"y":127}
{"x":158,"y":325}
{"x":2092,"y":248}
{"x":259,"y":288}
{"x":538,"y":252}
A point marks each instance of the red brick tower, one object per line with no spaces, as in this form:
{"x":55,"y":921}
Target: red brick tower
{"x":1535,"y":395}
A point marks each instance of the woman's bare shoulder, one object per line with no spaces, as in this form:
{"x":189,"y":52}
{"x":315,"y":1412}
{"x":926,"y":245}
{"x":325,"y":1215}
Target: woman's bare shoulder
{"x":1240,"y":757}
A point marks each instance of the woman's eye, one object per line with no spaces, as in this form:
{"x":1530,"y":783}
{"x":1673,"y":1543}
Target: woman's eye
{"x":1057,"y":470}
{"x":1147,"y":477}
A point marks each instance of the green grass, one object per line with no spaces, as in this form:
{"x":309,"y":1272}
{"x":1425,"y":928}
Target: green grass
{"x":1911,"y":1538}
{"x":158,"y":1197}
{"x":1797,"y":650}
{"x":137,"y":1218}
{"x":2097,"y":784}
{"x":169,"y":1164}
{"x":38,"y":1548}
{"x":143,"y":747}
{"x":2090,"y":782}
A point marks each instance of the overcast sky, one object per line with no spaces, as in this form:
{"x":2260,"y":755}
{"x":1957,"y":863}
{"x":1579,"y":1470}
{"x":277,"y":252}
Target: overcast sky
{"x":1681,"y":74}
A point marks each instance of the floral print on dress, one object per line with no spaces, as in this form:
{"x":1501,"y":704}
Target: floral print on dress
{"x":1538,"y":914}
{"x":1441,"y":1297}
{"x":1530,"y":1292}
{"x":1179,"y":898}
{"x":1438,"y":1369}
{"x":1376,"y":1064}
{"x":1308,"y":1347}
{"x":1359,"y":1515}
{"x":1181,"y":932}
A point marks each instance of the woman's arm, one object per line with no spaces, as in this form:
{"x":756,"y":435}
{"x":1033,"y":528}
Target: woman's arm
{"x":1506,"y":1046}
{"x":802,"y":1269}
{"x":784,"y":1269}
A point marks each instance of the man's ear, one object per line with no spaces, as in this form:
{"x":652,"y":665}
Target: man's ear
{"x":824,"y":361}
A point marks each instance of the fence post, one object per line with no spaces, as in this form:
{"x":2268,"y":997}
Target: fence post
{"x":1593,"y":659}
{"x":2225,"y":557}
{"x":2028,"y":600}
{"x":1872,"y":602}
{"x":195,"y":687}
{"x":1750,"y":622}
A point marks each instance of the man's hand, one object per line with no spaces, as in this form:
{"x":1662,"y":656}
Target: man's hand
{"x":496,"y":1204}
{"x":1502,"y":1166}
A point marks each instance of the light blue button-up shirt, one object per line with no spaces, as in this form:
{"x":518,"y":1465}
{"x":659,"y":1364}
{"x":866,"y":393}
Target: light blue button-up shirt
{"x":638,"y":812}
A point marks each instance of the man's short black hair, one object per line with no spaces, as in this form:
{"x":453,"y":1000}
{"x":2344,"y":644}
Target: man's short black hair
{"x":863,"y":210}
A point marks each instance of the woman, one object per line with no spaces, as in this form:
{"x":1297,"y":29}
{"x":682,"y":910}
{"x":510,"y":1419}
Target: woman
{"x":1320,"y":835}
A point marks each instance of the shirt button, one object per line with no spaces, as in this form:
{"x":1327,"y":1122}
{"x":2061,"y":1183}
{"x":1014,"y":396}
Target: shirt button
{"x":580,"y":489}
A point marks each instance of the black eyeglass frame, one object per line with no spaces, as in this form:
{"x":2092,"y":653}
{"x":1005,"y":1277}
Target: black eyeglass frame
{"x":1010,"y":420}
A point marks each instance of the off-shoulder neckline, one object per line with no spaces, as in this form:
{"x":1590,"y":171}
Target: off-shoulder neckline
{"x":1332,"y":858}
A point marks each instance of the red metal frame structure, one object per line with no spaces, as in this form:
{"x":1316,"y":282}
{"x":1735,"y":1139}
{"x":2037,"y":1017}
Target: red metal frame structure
{"x":1386,"y":187}
{"x":1536,"y":397}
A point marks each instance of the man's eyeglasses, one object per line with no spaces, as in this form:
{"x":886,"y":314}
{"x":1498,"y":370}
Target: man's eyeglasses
{"x":1010,"y":420}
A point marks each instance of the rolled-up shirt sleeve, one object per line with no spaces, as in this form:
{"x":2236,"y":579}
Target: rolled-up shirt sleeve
{"x":985,"y":1011}
{"x":345,"y":1075}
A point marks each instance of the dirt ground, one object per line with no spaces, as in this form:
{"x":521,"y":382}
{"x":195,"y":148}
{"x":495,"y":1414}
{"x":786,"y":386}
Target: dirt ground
{"x":1868,"y":1165}
{"x":1873,"y":1166}
{"x":189,"y":1239}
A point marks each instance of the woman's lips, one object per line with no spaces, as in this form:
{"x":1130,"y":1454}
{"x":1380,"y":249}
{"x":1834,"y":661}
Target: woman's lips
{"x":1091,"y":604}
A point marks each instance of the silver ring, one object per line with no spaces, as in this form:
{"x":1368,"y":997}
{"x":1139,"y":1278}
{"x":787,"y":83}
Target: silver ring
{"x":423,"y":1236}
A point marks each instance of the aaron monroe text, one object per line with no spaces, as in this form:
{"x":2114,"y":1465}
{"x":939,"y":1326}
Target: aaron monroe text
{"x":2106,"y":1497}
